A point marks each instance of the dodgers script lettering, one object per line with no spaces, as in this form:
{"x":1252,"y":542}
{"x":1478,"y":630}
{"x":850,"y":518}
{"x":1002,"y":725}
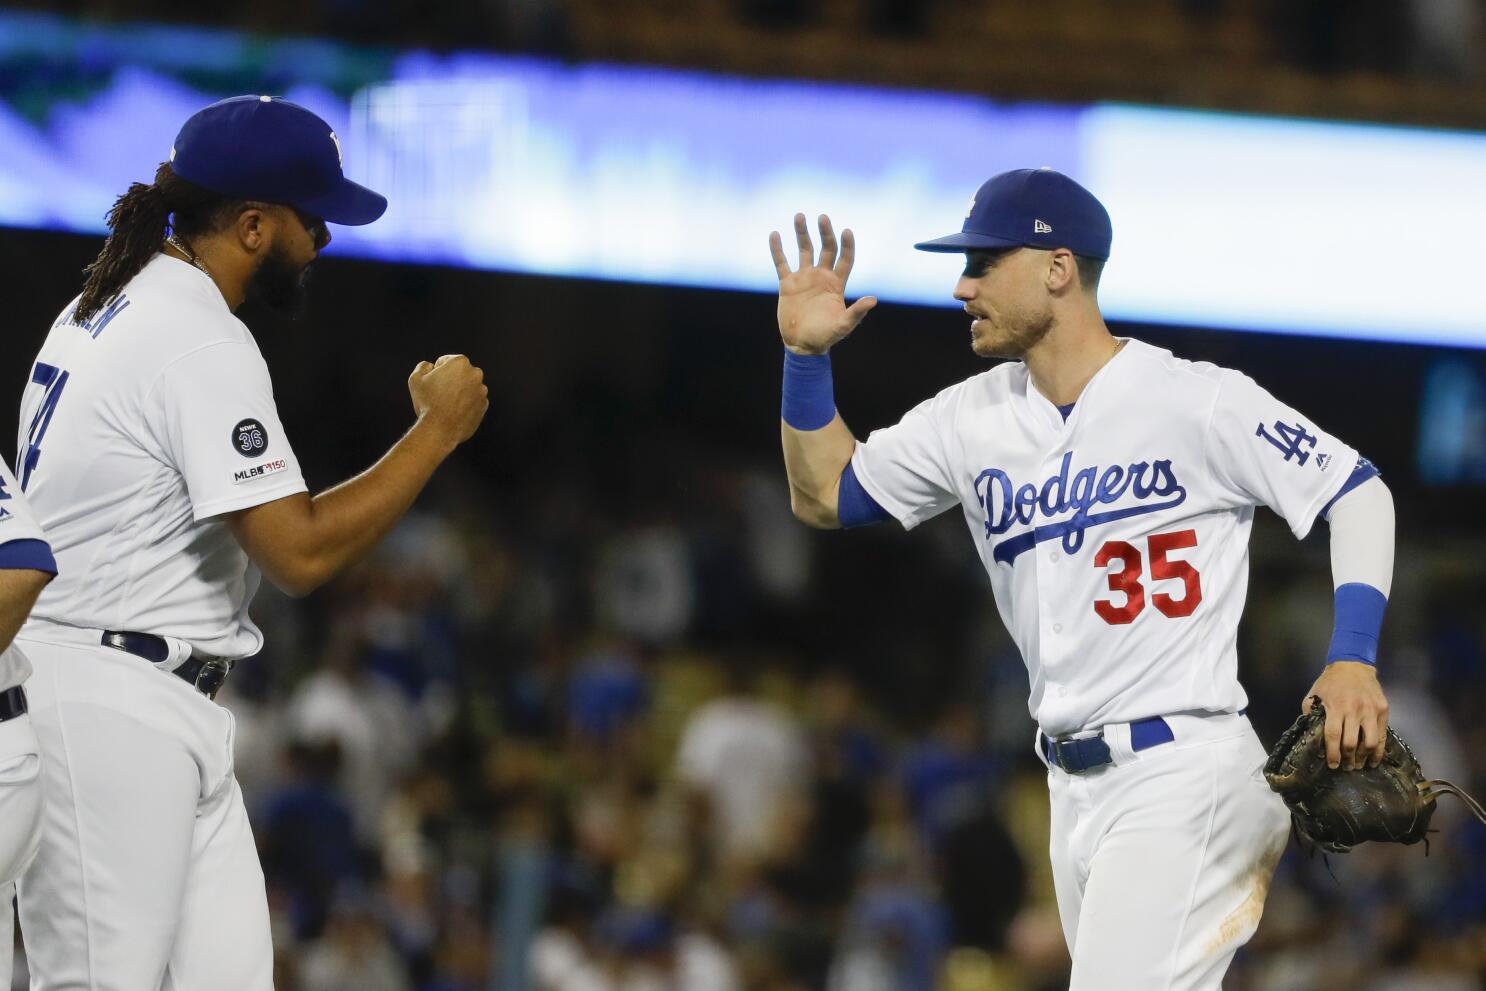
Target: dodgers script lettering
{"x":1153,"y":484}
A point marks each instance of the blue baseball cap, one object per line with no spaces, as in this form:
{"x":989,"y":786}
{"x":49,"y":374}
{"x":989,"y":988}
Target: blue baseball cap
{"x":1035,"y":208}
{"x":265,"y":148}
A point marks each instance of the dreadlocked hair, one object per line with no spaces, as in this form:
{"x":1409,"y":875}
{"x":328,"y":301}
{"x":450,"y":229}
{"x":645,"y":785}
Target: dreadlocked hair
{"x":138,"y":222}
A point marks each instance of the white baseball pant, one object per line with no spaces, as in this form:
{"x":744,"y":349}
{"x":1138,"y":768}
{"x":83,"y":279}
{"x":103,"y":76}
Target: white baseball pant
{"x":20,"y":822}
{"x":1162,"y":859}
{"x":147,"y":878}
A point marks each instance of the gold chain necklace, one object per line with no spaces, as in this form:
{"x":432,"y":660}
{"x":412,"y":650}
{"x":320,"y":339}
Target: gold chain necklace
{"x":175,"y":242}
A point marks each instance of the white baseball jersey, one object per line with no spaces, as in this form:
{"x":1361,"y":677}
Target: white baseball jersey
{"x":138,"y":430}
{"x":22,"y":545}
{"x":1117,"y":541}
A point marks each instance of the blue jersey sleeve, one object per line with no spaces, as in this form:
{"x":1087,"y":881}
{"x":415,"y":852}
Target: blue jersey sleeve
{"x":35,"y":555}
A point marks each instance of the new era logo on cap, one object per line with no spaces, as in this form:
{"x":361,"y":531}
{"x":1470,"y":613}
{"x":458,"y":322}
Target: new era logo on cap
{"x":1041,"y":227}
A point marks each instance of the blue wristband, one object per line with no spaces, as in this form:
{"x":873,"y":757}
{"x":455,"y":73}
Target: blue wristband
{"x":809,"y":400}
{"x":1359,"y":620}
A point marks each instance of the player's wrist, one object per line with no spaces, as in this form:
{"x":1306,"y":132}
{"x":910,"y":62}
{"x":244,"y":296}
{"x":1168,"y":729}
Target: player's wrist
{"x":1361,"y":663}
{"x":808,"y":394}
{"x":442,"y":437}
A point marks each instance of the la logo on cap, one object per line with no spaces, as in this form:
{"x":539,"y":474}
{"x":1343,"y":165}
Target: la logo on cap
{"x":1041,"y":227}
{"x":970,"y":209}
{"x":341,"y":159}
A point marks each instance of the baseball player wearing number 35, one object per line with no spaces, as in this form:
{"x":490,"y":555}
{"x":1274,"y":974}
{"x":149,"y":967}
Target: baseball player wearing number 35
{"x":1109,"y":487}
{"x":153,"y":455}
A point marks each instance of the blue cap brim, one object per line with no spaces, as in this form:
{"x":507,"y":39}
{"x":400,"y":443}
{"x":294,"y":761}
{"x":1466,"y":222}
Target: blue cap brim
{"x":966,"y":241}
{"x":348,"y":204}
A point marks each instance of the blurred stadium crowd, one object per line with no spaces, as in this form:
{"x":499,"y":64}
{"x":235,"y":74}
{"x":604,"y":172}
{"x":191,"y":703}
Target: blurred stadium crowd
{"x":574,"y":752}
{"x":1405,"y":60}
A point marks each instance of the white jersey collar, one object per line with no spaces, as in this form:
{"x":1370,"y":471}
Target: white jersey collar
{"x":1047,"y":412}
{"x":186,"y":274}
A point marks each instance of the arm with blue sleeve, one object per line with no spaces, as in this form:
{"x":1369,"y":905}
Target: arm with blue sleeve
{"x":26,"y":563}
{"x":1361,"y":520}
{"x":1264,"y":452}
{"x":20,"y":584}
{"x":813,"y":316}
{"x":824,"y":490}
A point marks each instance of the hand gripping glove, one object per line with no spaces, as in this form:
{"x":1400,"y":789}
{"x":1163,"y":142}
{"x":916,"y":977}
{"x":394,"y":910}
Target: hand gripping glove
{"x":1337,"y":809}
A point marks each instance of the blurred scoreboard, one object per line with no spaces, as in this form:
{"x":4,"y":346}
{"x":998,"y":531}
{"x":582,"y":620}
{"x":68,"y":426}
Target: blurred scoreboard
{"x":652,"y":175}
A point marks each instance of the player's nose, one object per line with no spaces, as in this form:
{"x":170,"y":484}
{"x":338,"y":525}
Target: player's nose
{"x":965,"y":289}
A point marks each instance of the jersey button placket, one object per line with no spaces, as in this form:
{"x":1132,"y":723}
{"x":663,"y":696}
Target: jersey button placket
{"x":1047,"y":590}
{"x":1049,"y":557}
{"x":1053,"y":643}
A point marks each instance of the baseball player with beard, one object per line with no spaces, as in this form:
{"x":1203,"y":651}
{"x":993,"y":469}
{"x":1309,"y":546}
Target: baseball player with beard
{"x":153,"y":454}
{"x":1110,"y":488}
{"x":26,"y":565}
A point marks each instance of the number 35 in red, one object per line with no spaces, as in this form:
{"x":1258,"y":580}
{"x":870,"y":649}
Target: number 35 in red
{"x":1127,"y":580}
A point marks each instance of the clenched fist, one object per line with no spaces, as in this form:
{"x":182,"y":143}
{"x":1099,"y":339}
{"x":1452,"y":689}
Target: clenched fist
{"x":450,"y":395}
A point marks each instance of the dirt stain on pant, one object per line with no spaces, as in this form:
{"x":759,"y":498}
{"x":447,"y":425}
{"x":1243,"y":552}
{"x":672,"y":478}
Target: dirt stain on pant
{"x":1242,"y":921}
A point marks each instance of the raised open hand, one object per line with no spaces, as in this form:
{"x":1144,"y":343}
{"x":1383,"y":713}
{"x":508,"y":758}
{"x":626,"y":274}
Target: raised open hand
{"x":813,"y":314}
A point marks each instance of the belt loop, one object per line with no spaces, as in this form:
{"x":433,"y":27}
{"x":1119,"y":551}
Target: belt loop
{"x":1121,"y":746}
{"x":13,"y":703}
{"x":180,"y":653}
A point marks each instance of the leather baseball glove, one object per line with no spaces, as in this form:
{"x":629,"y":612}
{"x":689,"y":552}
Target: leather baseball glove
{"x":1338,"y":809}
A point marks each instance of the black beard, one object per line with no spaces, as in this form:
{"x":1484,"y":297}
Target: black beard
{"x":278,"y":284}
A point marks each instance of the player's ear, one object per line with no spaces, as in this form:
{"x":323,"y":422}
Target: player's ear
{"x":1061,"y":270}
{"x":252,"y":227}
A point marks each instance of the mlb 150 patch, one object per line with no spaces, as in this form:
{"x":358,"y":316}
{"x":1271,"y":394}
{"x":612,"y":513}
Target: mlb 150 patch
{"x":249,"y":438}
{"x":258,"y":471}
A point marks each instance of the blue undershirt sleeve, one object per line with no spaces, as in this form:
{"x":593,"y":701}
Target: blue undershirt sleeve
{"x":854,"y":505}
{"x":34,"y":555}
{"x":1365,"y":469}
